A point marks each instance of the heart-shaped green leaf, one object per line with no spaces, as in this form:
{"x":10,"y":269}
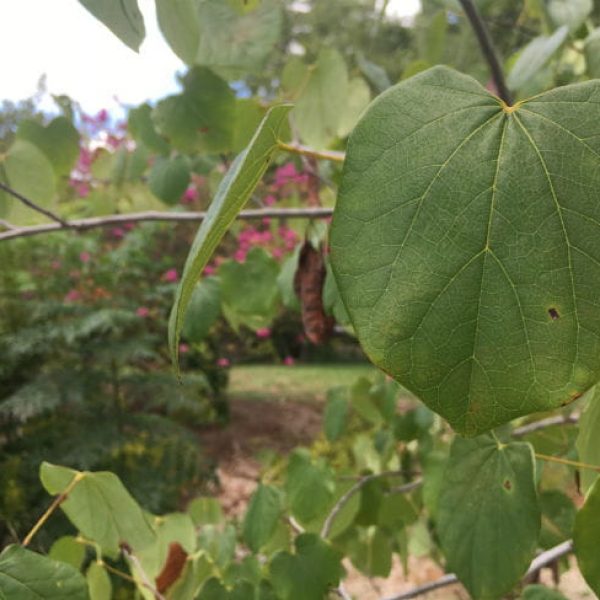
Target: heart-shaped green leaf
{"x":100,"y":507}
{"x":466,"y":245}
{"x":235,"y":189}
{"x":488,"y":514}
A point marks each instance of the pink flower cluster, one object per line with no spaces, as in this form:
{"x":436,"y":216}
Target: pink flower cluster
{"x":288,"y":174}
{"x":284,"y":241}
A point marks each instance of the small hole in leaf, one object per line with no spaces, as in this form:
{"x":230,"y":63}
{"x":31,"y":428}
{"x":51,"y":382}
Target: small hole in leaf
{"x":507,"y":484}
{"x":553,"y":314}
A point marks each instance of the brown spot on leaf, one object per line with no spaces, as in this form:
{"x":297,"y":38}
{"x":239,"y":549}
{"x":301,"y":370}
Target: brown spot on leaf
{"x":507,"y":485}
{"x":172,"y":568}
{"x":553,"y":314}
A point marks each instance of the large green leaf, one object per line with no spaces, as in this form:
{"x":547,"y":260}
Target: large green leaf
{"x":471,"y":270}
{"x":100,"y":507}
{"x":235,"y":43}
{"x":534,"y":56}
{"x":178,"y":22}
{"x":588,"y":440}
{"x":202,"y":117}
{"x":249,"y":291}
{"x":30,"y":173}
{"x":586,"y":536}
{"x":59,"y":141}
{"x":26,"y":575}
{"x":307,"y":574}
{"x":323,"y":89}
{"x":123,"y":18}
{"x":235,"y":189}
{"x":488,"y":514}
{"x":262,"y":516}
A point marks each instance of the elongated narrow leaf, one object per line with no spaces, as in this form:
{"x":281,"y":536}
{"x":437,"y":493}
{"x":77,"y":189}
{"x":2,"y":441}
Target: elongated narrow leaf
{"x":585,"y":537}
{"x":123,"y":18}
{"x":235,"y":189}
{"x":100,"y":507}
{"x":26,"y":575}
{"x":488,"y":514}
{"x":471,"y":271}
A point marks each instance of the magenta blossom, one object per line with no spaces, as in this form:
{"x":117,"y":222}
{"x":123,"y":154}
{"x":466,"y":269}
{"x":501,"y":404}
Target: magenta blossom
{"x":183,"y":348}
{"x":170,"y":276}
{"x":288,"y":361}
{"x":223,"y":362}
{"x":209,"y":270}
{"x":190,"y":195}
{"x":142,"y":311}
{"x":263,"y":333}
{"x":72,"y":296}
{"x":85,"y":257}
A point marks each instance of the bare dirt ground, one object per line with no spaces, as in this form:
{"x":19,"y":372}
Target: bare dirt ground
{"x":259,"y":425}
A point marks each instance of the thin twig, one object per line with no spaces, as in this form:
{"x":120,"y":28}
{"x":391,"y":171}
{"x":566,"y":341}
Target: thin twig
{"x":488,"y":49}
{"x":569,"y":463}
{"x":407,"y":487}
{"x":543,"y":560}
{"x":7,"y":225}
{"x":97,"y":222}
{"x":31,"y":204}
{"x":55,"y":504}
{"x":145,"y":580}
{"x":545,"y":423}
{"x":345,"y":498}
{"x":331,"y":155}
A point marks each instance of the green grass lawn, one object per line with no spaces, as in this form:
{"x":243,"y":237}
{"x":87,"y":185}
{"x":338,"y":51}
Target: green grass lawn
{"x":304,"y":383}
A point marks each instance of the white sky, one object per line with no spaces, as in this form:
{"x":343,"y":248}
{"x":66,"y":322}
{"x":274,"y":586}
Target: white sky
{"x":84,"y":60}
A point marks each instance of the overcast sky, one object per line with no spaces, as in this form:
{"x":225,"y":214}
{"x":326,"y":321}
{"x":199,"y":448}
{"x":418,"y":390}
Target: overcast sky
{"x":84,"y":60}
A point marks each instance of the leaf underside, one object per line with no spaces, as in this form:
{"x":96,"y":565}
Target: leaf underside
{"x":466,"y":245}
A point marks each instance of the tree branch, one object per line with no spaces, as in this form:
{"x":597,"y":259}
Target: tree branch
{"x":96,"y":222}
{"x":345,"y":498}
{"x":545,"y":423}
{"x":488,"y":49}
{"x":543,"y":560}
{"x":331,"y":155}
{"x":31,"y":204}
